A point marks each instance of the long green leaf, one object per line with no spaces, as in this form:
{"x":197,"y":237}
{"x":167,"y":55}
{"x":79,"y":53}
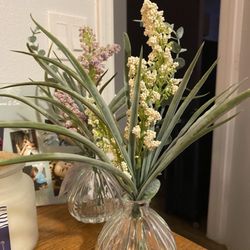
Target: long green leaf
{"x":48,"y":69}
{"x":62,"y":66}
{"x":127,"y":54}
{"x":194,"y":132}
{"x":229,"y":91}
{"x":70,"y":157}
{"x":134,"y":113}
{"x":106,"y":84}
{"x":71,"y":83}
{"x":175,"y":119}
{"x":117,"y":97}
{"x":218,"y":99}
{"x":121,"y":116}
{"x":173,"y":106}
{"x":80,"y":124}
{"x":59,"y":130}
{"x":178,"y":95}
{"x":46,"y":76}
{"x":216,"y":125}
{"x":74,"y":94}
{"x":119,"y":105}
{"x":42,"y":111}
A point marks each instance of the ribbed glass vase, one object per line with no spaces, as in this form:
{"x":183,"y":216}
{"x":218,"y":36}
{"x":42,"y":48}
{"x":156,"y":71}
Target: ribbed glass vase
{"x":136,"y":227}
{"x":94,"y":196}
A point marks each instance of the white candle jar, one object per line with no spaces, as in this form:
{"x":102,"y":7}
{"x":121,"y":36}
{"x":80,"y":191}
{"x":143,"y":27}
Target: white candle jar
{"x":18,"y":218}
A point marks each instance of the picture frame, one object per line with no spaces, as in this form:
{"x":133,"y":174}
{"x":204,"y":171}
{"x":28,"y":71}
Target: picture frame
{"x":24,"y":142}
{"x":46,"y":176}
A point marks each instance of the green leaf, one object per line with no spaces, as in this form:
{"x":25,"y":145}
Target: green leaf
{"x":78,"y":122}
{"x":183,"y":50}
{"x":121,"y":93}
{"x":53,"y":118}
{"x":49,"y":69}
{"x":181,"y":62}
{"x":41,"y":52}
{"x":72,"y":93}
{"x":176,"y":117}
{"x":106,"y":83}
{"x":151,"y":190}
{"x":71,"y":83}
{"x":219,"y":99}
{"x":198,"y":129}
{"x":59,"y":130}
{"x":32,"y":39}
{"x":47,"y":60}
{"x":121,"y":116}
{"x":72,"y":157}
{"x":134,"y":113}
{"x":34,"y":47}
{"x":179,"y":32}
{"x":178,"y":95}
{"x":118,"y":105}
{"x":54,"y":68}
{"x":175,"y":47}
{"x":127,"y":54}
{"x":57,"y":57}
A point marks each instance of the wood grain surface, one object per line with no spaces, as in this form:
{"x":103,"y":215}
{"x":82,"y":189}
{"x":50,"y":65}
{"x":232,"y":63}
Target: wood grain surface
{"x":59,"y":231}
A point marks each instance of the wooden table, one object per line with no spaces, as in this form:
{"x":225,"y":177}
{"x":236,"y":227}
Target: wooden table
{"x":59,"y":231}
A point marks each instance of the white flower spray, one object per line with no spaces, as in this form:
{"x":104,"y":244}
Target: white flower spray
{"x":157,"y":77}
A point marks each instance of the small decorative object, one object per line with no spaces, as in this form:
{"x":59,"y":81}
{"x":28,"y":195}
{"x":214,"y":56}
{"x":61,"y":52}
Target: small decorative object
{"x":95,"y":196}
{"x":140,"y":227}
{"x":18,"y":220}
{"x":152,"y":101}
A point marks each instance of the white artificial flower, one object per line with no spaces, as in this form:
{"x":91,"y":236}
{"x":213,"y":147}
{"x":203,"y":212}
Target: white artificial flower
{"x":149,"y":141}
{"x":137,"y":131}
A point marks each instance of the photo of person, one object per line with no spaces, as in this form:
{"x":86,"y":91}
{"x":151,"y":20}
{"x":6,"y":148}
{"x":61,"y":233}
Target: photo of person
{"x":1,"y":139}
{"x":38,"y":176}
{"x":24,"y":142}
{"x":58,"y":172}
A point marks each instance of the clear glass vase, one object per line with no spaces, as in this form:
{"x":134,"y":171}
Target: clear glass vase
{"x":136,"y":227}
{"x":94,"y":196}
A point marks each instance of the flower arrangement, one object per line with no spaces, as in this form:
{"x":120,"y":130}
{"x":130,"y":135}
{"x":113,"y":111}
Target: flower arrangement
{"x":153,"y":99}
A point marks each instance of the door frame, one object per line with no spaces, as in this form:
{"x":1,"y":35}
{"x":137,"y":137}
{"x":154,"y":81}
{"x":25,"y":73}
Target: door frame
{"x":105,"y":34}
{"x":229,"y":48}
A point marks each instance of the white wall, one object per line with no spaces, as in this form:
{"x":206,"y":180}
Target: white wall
{"x":14,"y":30}
{"x":229,"y":206}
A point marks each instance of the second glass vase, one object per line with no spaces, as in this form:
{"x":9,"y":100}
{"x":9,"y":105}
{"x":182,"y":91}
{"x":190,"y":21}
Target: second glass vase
{"x":136,"y":227}
{"x":95,"y":196}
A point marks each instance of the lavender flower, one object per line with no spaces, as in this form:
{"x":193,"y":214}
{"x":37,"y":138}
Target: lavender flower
{"x":69,"y":103}
{"x":93,"y":55}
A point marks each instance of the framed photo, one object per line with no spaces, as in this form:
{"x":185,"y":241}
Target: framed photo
{"x":58,"y":172}
{"x":24,"y":142}
{"x":37,"y":173}
{"x":40,"y":174}
{"x":46,"y":176}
